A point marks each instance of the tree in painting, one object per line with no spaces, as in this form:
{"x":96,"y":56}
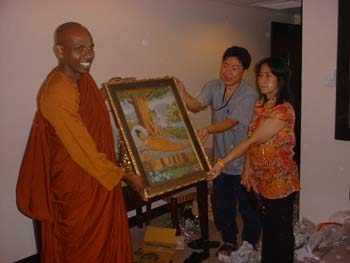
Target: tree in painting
{"x":139,"y":99}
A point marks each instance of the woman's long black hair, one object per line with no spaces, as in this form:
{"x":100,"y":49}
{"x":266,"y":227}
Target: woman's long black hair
{"x":281,"y":70}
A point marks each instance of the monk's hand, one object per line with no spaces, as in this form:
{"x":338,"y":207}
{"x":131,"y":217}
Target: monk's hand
{"x":203,"y":134}
{"x":215,"y":171}
{"x":137,"y":183}
{"x":116,"y":80}
{"x":104,"y":93}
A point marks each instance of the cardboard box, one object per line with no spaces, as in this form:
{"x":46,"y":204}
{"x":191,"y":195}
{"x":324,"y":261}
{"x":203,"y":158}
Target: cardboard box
{"x":158,"y":246}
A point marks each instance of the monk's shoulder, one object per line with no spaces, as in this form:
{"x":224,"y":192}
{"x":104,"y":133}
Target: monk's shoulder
{"x":58,"y":82}
{"x":58,"y":89}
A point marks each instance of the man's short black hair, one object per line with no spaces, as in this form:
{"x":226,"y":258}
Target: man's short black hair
{"x":240,"y":53}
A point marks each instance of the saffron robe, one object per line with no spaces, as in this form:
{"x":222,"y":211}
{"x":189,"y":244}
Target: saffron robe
{"x":69,"y":180}
{"x":163,"y":144}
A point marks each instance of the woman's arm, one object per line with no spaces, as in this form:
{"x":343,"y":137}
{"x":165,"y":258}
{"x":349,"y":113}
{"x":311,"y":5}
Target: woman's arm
{"x":264,"y":132}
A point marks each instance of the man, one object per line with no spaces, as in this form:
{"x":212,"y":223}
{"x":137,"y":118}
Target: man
{"x":232,"y":101}
{"x":69,"y":180}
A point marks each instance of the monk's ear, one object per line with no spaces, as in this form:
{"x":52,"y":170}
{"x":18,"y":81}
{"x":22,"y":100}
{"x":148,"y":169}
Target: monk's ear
{"x":58,"y":49}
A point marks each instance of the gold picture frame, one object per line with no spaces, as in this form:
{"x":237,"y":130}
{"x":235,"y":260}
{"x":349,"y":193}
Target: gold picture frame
{"x":160,"y":140}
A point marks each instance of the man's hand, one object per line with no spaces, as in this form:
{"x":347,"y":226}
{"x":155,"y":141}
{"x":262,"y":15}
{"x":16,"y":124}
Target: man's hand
{"x":193,"y":104}
{"x":137,"y":183}
{"x":180,"y":86}
{"x":203,"y":134}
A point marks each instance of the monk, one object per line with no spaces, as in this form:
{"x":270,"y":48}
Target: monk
{"x":69,"y":179}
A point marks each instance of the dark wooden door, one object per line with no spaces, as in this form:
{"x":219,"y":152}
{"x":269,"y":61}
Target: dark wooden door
{"x":286,"y":43}
{"x":342,"y":112}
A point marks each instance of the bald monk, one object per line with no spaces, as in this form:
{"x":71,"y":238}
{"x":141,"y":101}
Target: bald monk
{"x":69,"y":180}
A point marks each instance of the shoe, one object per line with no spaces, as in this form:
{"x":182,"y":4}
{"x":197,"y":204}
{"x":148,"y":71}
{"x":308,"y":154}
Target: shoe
{"x":226,"y":249}
{"x":196,"y":257}
{"x":255,"y":246}
{"x":203,"y":244}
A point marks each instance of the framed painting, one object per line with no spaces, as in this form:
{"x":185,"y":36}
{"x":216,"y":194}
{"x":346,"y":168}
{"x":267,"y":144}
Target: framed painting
{"x":159,"y":137}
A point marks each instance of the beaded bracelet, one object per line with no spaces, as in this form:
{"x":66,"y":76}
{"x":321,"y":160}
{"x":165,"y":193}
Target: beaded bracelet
{"x":221,"y":163}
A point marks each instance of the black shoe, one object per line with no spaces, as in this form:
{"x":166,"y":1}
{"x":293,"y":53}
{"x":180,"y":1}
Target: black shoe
{"x":255,"y":246}
{"x":197,"y":257}
{"x":203,"y":244}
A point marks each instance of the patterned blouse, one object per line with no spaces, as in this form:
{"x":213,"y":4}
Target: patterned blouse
{"x":272,"y":167}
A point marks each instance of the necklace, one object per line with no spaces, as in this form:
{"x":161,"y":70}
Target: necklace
{"x":223,"y":99}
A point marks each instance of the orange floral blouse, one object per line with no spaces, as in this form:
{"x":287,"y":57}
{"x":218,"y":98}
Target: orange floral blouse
{"x":272,"y":168}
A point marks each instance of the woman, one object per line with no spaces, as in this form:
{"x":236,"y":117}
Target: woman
{"x":269,"y":166}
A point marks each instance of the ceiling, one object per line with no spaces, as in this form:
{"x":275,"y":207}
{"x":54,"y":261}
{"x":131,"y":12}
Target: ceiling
{"x":287,"y":6}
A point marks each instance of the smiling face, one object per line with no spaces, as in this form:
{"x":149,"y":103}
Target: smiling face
{"x":268,"y":82}
{"x":75,"y":51}
{"x":232,"y":71}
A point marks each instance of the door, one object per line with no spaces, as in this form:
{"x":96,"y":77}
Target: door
{"x":286,"y":43}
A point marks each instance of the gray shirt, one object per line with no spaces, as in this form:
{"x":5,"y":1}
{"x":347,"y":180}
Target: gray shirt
{"x":240,"y":108}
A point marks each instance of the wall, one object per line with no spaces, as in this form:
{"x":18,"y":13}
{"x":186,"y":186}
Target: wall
{"x":133,"y":38}
{"x":325,"y":165}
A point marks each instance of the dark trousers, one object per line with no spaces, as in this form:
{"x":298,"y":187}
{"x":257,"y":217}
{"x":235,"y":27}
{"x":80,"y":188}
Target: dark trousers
{"x":227,"y":192}
{"x":278,"y":236}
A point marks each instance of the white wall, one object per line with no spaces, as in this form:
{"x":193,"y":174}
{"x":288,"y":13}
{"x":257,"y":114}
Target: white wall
{"x":325,"y":165}
{"x":150,"y":38}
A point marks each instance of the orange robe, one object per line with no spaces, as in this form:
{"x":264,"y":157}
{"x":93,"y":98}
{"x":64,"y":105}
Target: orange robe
{"x":163,"y":144}
{"x":69,"y":180}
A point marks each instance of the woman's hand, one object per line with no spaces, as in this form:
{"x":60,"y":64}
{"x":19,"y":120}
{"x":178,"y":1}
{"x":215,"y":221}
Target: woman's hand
{"x":245,"y":179}
{"x":245,"y":174}
{"x":248,"y":182}
{"x":215,"y":171}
